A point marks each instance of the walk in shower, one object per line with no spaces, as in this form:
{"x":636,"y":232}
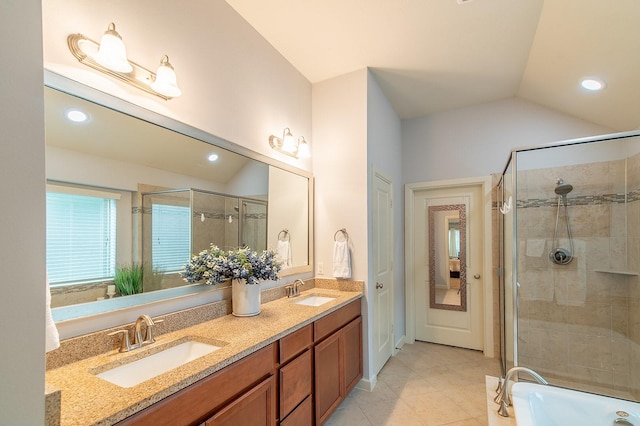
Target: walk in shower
{"x":179,"y":223}
{"x":570,"y":263}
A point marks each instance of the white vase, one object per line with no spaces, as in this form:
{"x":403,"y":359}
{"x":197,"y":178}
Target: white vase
{"x":245,"y":298}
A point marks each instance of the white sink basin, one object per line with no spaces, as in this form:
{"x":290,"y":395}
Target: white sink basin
{"x":314,"y":300}
{"x":136,"y":372}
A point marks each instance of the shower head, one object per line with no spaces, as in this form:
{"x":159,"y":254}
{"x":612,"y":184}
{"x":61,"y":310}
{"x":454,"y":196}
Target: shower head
{"x":563,"y":188}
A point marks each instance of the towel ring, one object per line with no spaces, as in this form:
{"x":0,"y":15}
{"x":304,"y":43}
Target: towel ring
{"x":345,"y":235}
{"x":286,"y":236}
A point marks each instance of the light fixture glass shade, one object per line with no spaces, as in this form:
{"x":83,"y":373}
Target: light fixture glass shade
{"x":112,"y":53}
{"x":288,"y":143}
{"x":166,"y":82}
{"x":303,"y":148}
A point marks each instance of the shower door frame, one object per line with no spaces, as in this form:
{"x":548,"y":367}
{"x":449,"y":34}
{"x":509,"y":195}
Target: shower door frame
{"x":512,"y":161}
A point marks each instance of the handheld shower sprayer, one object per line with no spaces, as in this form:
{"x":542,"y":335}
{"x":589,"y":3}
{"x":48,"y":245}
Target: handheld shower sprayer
{"x":559,"y":255}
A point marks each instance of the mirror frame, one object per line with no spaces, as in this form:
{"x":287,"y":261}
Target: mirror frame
{"x":462,"y":214}
{"x":77,"y":89}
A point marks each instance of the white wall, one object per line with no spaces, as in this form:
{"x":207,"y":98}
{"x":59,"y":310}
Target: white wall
{"x":340,"y":168}
{"x":384,"y":149}
{"x":476,"y":141}
{"x":235,"y":85}
{"x":22,"y":217}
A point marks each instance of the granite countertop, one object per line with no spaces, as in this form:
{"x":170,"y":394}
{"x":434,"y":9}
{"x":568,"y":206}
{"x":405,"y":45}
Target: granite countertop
{"x":89,"y":400}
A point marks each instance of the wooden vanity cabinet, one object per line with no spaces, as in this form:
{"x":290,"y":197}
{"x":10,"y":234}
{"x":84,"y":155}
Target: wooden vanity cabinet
{"x":248,"y":382}
{"x":298,"y":381}
{"x":337,"y":358}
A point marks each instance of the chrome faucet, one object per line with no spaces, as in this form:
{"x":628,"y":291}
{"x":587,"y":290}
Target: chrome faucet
{"x":293,"y":290}
{"x":137,"y":336}
{"x":503,"y":398}
{"x":138,"y":339}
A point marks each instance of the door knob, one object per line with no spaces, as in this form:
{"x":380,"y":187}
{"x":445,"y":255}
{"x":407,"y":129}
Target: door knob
{"x":476,"y":276}
{"x":379,"y":285}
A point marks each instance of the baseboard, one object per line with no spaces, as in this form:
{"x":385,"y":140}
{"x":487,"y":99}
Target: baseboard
{"x":399,"y":344}
{"x":367,"y":385}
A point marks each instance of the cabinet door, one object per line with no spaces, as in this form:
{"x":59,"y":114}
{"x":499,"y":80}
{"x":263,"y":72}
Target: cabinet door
{"x":328,"y":374}
{"x":257,"y":407}
{"x":352,"y":336}
{"x":295,"y":383}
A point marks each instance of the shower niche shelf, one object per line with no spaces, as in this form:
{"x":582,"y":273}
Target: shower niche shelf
{"x":618,"y":272}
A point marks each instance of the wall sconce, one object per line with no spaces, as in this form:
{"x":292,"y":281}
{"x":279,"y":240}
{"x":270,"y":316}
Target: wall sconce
{"x":289,"y":146}
{"x":110,"y":57}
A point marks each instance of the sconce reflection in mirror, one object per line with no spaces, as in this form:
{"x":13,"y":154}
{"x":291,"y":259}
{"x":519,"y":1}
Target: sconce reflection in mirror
{"x":288,"y":145}
{"x":110,"y":57}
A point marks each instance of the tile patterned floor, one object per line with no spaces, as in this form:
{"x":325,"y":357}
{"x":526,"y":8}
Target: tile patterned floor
{"x":423,"y":385}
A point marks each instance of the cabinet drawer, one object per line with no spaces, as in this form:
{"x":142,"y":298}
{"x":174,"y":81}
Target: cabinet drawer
{"x":335,"y":320}
{"x":301,"y":416}
{"x":194,"y":403}
{"x":295,"y":383}
{"x":295,"y":343}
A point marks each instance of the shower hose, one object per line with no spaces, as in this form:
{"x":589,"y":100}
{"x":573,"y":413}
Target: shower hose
{"x":559,"y":255}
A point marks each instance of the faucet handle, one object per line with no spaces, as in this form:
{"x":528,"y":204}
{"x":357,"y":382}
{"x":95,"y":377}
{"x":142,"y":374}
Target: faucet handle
{"x":125,"y":345}
{"x":149,"y":333}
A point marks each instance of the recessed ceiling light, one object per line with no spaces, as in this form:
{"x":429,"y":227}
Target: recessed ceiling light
{"x":212,"y":157}
{"x":593,"y":84}
{"x":76,"y":115}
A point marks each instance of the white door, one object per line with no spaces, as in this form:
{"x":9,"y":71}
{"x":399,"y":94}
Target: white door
{"x":439,"y":313}
{"x":383,"y":271}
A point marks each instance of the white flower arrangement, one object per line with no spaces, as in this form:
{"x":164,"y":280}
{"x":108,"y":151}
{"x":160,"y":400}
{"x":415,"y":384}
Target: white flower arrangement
{"x":214,"y":266}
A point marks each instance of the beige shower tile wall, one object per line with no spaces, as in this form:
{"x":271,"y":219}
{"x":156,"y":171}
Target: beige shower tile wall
{"x":576,"y":324}
{"x":633,"y":243}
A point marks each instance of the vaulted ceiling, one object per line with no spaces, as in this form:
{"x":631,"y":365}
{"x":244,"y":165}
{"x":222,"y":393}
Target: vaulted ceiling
{"x":435,"y":55}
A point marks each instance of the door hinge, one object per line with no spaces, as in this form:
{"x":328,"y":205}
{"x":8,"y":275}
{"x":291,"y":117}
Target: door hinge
{"x":391,"y":203}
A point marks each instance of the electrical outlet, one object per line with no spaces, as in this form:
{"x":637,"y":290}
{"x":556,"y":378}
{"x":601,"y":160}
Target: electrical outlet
{"x":320,"y":268}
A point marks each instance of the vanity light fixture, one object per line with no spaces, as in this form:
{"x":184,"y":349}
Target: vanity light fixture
{"x":288,"y":145}
{"x":110,"y":57}
{"x":303,"y":148}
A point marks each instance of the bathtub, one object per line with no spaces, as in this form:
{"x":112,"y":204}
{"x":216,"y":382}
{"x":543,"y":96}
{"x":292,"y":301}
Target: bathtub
{"x":539,"y":405}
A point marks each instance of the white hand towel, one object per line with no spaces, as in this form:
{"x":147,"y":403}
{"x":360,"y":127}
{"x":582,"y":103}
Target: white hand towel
{"x":284,"y":253}
{"x":52,"y":338}
{"x":341,"y":260}
{"x":535,"y":247}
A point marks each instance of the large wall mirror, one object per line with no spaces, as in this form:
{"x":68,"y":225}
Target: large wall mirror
{"x":447,"y":257}
{"x":125,"y":193}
